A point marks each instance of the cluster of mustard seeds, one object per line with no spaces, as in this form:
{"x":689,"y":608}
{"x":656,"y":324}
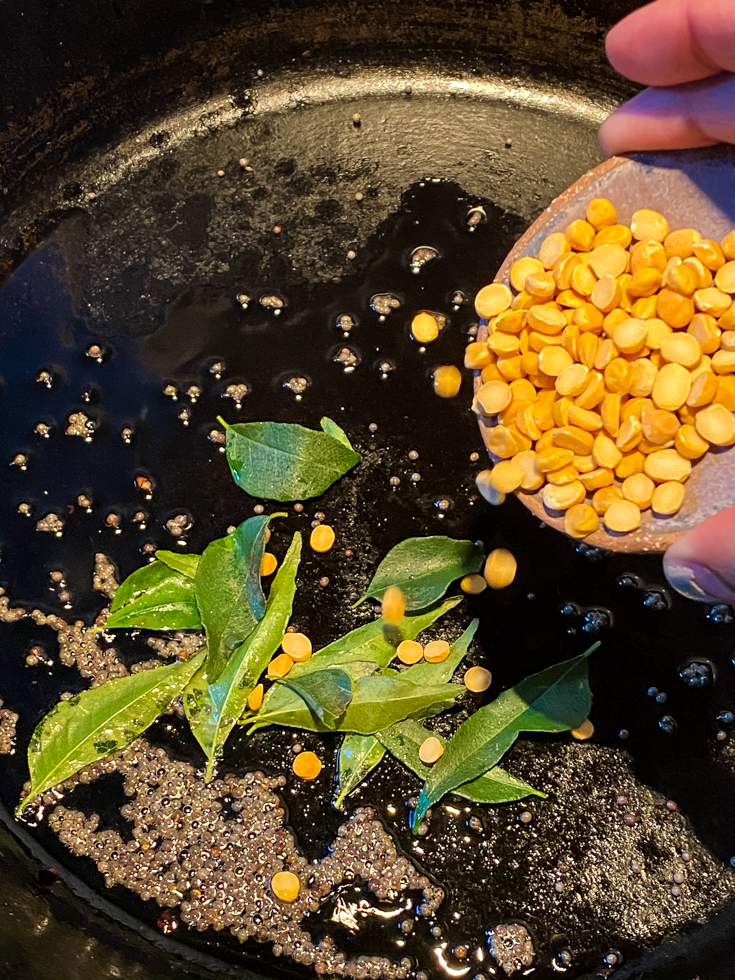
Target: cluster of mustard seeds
{"x":104,"y":579}
{"x":79,"y":424}
{"x":81,"y":649}
{"x":8,"y":615}
{"x":8,"y":721}
{"x":213,"y":851}
{"x":51,"y":524}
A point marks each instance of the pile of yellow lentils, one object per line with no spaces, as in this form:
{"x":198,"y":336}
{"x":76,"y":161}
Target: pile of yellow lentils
{"x":609,"y":367}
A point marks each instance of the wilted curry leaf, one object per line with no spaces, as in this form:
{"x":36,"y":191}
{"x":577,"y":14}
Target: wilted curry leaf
{"x":102,"y":720}
{"x":553,"y":700}
{"x":155,"y":597}
{"x":281,"y":461}
{"x":424,"y":568}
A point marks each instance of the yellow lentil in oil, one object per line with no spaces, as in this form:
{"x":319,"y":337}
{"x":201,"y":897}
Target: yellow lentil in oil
{"x":322,"y":538}
{"x":285,"y":886}
{"x":393,"y":605}
{"x":500,"y":568}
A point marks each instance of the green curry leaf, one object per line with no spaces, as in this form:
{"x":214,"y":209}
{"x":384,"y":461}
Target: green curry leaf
{"x":326,"y":693}
{"x":186,"y":564}
{"x":333,"y":430}
{"x":358,"y":756}
{"x":102,"y":720}
{"x":367,"y":644}
{"x":213,"y":706}
{"x":424,"y":568}
{"x":378,"y":701}
{"x":553,"y":700}
{"x":496,"y":786}
{"x":155,"y":597}
{"x":282,"y":461}
{"x":228,"y":590}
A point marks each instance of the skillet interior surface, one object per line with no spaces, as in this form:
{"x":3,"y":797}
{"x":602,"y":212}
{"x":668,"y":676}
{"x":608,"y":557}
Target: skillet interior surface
{"x":119,"y":231}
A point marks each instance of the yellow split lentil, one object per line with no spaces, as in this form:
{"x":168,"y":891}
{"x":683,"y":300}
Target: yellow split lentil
{"x":285,"y":886}
{"x":393,"y":605}
{"x":297,"y":646}
{"x":436,"y":652}
{"x":477,"y":679}
{"x":424,"y":328}
{"x":610,"y":367}
{"x":500,"y":568}
{"x":269,"y":564}
{"x":430,"y":750}
{"x":280,"y":665}
{"x":447,"y":381}
{"x":307,"y":765}
{"x":585,"y":731}
{"x":473,"y":584}
{"x":255,"y":698}
{"x":322,"y":538}
{"x":410,"y":652}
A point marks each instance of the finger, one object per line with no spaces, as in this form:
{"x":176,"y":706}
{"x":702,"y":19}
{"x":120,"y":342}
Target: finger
{"x":701,"y":564}
{"x":673,"y":41}
{"x":696,"y":114}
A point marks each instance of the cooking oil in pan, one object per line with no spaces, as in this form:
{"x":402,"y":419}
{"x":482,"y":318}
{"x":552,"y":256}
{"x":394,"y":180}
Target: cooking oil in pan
{"x":116,"y":450}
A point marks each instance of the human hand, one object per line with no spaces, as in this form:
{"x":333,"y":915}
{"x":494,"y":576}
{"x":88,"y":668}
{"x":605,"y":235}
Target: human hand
{"x":686,"y":49}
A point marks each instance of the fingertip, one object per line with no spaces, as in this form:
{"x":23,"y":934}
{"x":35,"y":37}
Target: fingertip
{"x":656,"y":119}
{"x":701,"y":564}
{"x":607,"y":137}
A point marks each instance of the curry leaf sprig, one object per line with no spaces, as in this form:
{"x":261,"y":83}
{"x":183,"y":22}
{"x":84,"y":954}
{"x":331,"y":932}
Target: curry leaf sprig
{"x":349,"y":686}
{"x":220,"y":592}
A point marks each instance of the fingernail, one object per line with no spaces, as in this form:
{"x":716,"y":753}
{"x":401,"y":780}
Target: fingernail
{"x":697,"y":582}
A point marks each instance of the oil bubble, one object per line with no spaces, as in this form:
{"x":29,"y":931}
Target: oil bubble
{"x":589,"y":551}
{"x":656,"y":600}
{"x":421,"y":256}
{"x":475,"y":216}
{"x":697,"y":673}
{"x":596,"y":620}
{"x":720,"y":613}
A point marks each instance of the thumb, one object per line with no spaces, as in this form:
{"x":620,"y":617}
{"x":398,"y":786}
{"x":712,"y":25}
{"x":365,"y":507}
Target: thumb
{"x":701,"y":564}
{"x":695,"y":114}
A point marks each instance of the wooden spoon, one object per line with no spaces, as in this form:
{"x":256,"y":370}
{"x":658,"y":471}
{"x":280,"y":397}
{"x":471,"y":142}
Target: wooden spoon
{"x":693,"y":189}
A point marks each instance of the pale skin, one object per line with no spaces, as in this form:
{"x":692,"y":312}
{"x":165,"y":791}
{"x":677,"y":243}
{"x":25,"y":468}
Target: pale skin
{"x":685,"y":51}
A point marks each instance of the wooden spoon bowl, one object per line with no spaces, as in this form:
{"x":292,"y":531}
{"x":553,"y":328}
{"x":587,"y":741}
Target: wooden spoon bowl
{"x":694,"y":189}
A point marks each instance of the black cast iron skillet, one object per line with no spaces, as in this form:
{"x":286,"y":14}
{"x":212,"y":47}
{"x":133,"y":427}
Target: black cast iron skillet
{"x":115,"y":119}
